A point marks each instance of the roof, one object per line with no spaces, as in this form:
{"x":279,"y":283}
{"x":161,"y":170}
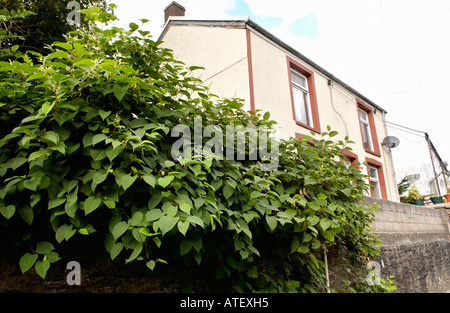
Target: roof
{"x":246,"y":22}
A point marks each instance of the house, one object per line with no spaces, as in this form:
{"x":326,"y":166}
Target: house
{"x":242,"y":59}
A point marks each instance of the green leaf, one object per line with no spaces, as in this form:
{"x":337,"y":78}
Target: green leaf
{"x":120,"y":90}
{"x":313,"y":220}
{"x":256,"y":194}
{"x":315,"y":244}
{"x":328,"y":235}
{"x":165,"y":181}
{"x":185,"y":246}
{"x":295,"y":244}
{"x":42,"y":267}
{"x":324,"y":224}
{"x":26,"y":213}
{"x":91,"y":204}
{"x":303,"y":249}
{"x":272,"y":222}
{"x":55,"y":202}
{"x":133,"y":26}
{"x":185,"y":207}
{"x":98,"y":138}
{"x":136,"y":252}
{"x":98,"y":154}
{"x":183,"y":227}
{"x":150,"y":179}
{"x":227,"y":191}
{"x":7,"y":211}
{"x":127,"y":180}
{"x":151,"y":264}
{"x":166,"y":223}
{"x":153,"y":215}
{"x":196,"y":220}
{"x":37,"y":154}
{"x":104,"y":114}
{"x":27,"y":261}
{"x":44,"y":247}
{"x":47,"y":107}
{"x":119,"y":229}
{"x":116,"y":249}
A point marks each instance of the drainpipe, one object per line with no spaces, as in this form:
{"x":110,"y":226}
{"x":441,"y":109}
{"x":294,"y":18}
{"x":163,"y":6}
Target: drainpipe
{"x":432,"y":163}
{"x":326,"y":271}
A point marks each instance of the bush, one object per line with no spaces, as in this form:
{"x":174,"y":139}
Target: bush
{"x":85,"y":150}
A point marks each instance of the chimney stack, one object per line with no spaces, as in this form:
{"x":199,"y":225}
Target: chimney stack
{"x":173,"y":9}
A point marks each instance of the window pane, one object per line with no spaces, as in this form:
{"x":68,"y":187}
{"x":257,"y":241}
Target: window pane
{"x":367,"y":140}
{"x":300,"y":106}
{"x":363,"y":116}
{"x":298,"y":79}
{"x":373,"y":173}
{"x":375,"y":189}
{"x":373,"y":181}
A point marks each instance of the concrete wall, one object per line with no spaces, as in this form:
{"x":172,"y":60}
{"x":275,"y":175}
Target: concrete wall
{"x":415,"y":245}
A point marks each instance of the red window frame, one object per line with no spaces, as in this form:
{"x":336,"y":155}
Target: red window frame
{"x":296,"y":66}
{"x":376,"y":164}
{"x":373,"y":131}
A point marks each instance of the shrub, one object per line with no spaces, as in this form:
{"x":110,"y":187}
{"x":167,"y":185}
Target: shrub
{"x":85,"y":150}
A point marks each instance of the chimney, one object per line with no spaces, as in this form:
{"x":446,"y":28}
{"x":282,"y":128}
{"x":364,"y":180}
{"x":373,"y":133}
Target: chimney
{"x":173,"y":9}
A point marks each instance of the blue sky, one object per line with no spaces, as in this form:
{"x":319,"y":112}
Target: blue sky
{"x":304,"y":26}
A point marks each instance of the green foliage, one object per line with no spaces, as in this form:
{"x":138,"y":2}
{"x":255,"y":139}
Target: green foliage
{"x":36,"y":24}
{"x":413,"y":193}
{"x":403,"y":186}
{"x":85,"y":150}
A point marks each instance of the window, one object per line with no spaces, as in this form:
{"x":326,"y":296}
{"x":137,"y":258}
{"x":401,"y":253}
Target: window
{"x":374,"y":182}
{"x":300,"y":94}
{"x":365,"y":129}
{"x":368,"y":130}
{"x":350,"y":159}
{"x":376,"y":179}
{"x":303,"y":95}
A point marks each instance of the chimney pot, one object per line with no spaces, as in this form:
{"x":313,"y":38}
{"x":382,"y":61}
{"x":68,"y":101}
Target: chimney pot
{"x":173,"y":9}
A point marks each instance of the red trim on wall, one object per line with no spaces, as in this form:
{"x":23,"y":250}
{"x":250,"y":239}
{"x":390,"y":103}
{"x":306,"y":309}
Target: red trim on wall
{"x":351,"y":157}
{"x":373,"y":130}
{"x":250,"y":70}
{"x":292,"y":64}
{"x":381,"y":180}
{"x":299,"y":136}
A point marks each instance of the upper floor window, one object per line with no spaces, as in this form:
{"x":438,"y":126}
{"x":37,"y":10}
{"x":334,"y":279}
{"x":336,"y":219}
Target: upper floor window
{"x":365,"y":129}
{"x":368,"y":130}
{"x":300,"y":93}
{"x":303,"y":95}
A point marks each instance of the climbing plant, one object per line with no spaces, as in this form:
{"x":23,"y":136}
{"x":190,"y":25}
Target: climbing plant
{"x":86,"y":150}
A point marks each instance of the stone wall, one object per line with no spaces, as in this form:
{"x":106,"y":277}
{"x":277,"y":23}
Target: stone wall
{"x":415,"y":245}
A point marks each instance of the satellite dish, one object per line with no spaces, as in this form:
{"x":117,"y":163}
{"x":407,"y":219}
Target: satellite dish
{"x":391,"y":142}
